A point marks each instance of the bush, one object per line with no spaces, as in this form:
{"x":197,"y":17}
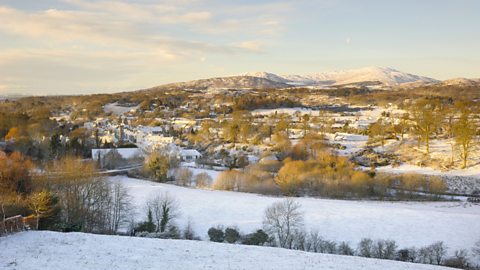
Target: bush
{"x":231,"y":235}
{"x":203,"y":180}
{"x":345,"y":249}
{"x":433,"y":254}
{"x":439,"y":250}
{"x":228,"y":180}
{"x":381,"y":249}
{"x":299,"y":240}
{"x":183,"y":177}
{"x":189,"y":233}
{"x":327,"y":246}
{"x":384,"y":249}
{"x":216,"y":234}
{"x":257,"y":238}
{"x":460,"y":260}
{"x":365,"y":248}
{"x":146,"y":226}
{"x":172,"y":232}
{"x":407,"y":255}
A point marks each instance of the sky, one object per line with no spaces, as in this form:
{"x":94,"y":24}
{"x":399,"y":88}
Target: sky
{"x":82,"y":47}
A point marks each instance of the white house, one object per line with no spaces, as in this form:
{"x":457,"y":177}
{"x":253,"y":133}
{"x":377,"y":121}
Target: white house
{"x":189,"y":155}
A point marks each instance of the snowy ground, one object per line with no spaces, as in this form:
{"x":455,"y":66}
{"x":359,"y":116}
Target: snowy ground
{"x":117,"y":109}
{"x":409,"y":223}
{"x":52,"y":250}
{"x":440,"y":150}
{"x":352,"y":142}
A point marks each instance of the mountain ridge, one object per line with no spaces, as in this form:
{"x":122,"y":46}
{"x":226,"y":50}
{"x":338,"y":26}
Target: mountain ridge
{"x":374,"y":77}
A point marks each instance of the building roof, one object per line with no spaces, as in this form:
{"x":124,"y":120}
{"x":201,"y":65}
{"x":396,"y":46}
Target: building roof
{"x":189,"y":152}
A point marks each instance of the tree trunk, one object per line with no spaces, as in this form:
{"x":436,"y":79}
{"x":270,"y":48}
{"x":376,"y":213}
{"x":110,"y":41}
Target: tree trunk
{"x":3,"y":218}
{"x":427,"y":143}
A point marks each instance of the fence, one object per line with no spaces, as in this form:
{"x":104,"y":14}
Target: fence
{"x":12,"y":225}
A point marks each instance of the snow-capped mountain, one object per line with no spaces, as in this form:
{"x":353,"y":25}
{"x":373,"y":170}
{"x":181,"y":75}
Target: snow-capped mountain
{"x":233,"y":82}
{"x":268,"y":76}
{"x":380,"y":77}
{"x":461,"y":82}
{"x":385,"y":76}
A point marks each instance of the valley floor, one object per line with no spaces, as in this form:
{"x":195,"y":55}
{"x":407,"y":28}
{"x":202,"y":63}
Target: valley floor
{"x":53,"y":250}
{"x":408,"y":223}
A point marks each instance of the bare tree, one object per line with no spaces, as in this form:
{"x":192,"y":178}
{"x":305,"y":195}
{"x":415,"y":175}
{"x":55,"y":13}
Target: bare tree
{"x":282,"y":220}
{"x":84,"y":196}
{"x":183,"y":176}
{"x":120,"y":208}
{"x":164,"y":209}
{"x":203,"y":180}
{"x":439,"y":251}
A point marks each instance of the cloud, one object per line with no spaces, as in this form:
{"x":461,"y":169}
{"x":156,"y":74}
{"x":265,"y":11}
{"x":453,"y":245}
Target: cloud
{"x":348,"y":40}
{"x":250,"y":45}
{"x":110,"y":39}
{"x":160,"y":13}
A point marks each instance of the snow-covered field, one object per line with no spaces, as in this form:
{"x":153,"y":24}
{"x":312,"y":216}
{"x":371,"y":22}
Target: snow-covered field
{"x":117,"y":109}
{"x":352,"y":142}
{"x":408,"y":223}
{"x":52,"y":250}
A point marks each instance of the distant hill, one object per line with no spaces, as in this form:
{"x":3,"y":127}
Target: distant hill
{"x":461,"y":82}
{"x":372,"y":77}
{"x":379,"y":75}
{"x":233,"y":82}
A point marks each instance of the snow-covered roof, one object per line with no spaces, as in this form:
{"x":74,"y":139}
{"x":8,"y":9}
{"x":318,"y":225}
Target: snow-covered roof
{"x":190,"y":152}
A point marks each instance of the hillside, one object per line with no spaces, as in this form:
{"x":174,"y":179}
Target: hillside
{"x":234,"y":82}
{"x":408,"y":223}
{"x":386,"y":76}
{"x":364,"y":76}
{"x":382,"y":76}
{"x":51,"y":250}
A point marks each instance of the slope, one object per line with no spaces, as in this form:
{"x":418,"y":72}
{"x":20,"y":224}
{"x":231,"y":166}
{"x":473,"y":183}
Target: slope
{"x":51,"y":250}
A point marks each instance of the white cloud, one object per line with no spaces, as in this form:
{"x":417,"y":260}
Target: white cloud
{"x":111,"y":39}
{"x":160,"y":13}
{"x":250,"y":45}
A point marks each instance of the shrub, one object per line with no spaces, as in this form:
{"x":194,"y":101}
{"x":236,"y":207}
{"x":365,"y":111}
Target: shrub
{"x":171,"y":233}
{"x":257,"y":238}
{"x":203,"y":180}
{"x":228,"y":180}
{"x":459,"y":260}
{"x":189,"y":233}
{"x":147,"y":226}
{"x":365,"y":248}
{"x":216,"y":234}
{"x":299,"y":240}
{"x":327,"y":246}
{"x":407,"y":254}
{"x":231,"y":235}
{"x":438,"y":251}
{"x":183,"y":176}
{"x":345,"y":249}
{"x":384,"y":249}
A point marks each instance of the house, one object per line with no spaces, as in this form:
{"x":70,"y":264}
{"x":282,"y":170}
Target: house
{"x":189,"y":155}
